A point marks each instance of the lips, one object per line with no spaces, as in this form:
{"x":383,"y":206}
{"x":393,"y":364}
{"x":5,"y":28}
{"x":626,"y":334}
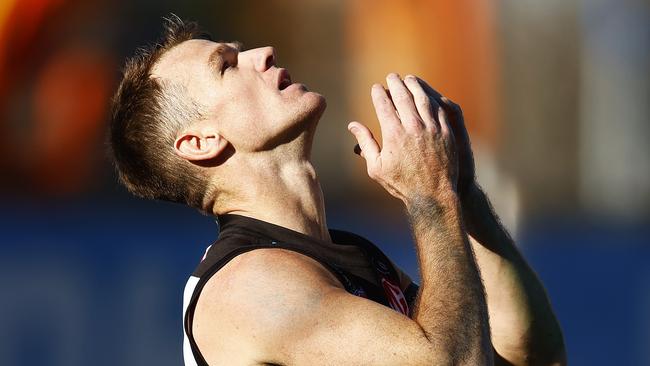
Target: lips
{"x":284,"y":79}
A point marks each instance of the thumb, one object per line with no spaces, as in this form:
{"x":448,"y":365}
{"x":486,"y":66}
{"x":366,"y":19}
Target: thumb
{"x":367,"y":143}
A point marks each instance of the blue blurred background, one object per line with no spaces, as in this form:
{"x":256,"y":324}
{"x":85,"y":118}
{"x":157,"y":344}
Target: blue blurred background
{"x":556,"y":95}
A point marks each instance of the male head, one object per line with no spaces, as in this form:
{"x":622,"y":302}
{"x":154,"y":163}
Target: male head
{"x":189,"y":109}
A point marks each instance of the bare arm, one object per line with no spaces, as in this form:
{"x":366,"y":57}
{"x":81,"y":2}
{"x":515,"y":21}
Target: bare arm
{"x":302,"y":315}
{"x":524,"y":328}
{"x":417,"y":164}
{"x":451,"y":305}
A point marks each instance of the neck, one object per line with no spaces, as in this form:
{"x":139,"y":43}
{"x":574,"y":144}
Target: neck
{"x":279,"y":190}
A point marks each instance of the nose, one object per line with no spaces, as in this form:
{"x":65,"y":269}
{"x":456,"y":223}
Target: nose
{"x":262,"y":58}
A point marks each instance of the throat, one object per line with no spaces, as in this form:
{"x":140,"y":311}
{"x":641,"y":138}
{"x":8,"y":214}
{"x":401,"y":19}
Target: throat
{"x":287,"y":194}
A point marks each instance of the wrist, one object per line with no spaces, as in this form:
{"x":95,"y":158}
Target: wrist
{"x":440,"y":203}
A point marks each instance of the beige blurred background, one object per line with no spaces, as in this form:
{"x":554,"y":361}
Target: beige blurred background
{"x":556,"y":97}
{"x":555,"y":93}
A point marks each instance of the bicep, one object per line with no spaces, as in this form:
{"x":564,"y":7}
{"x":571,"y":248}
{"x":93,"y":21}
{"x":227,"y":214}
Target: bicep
{"x":285,"y":308}
{"x":350,"y":330}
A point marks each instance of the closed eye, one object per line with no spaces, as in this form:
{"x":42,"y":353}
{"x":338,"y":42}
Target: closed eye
{"x":224,"y":57}
{"x":225,"y":65}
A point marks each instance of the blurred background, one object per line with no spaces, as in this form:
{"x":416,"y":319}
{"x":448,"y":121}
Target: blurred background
{"x":556,"y":96}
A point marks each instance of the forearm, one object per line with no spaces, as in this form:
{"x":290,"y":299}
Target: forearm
{"x":524,"y":328}
{"x":451,"y":307}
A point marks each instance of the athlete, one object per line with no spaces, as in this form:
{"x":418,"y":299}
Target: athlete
{"x":228,"y":132}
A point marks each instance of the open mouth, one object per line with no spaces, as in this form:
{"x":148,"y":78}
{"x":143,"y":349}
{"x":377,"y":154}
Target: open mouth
{"x":284,"y":79}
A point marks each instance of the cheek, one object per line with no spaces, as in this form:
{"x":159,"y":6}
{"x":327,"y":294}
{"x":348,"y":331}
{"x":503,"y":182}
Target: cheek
{"x":244,"y":130}
{"x":247,"y":101}
{"x":250,"y":116}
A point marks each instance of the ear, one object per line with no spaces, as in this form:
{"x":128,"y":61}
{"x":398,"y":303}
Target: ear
{"x":196,"y":145}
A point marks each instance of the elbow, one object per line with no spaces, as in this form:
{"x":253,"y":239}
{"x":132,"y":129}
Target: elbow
{"x":553,"y":361}
{"x":477,"y":355}
{"x":549,"y":354}
{"x":552,"y":355}
{"x":555,"y":356}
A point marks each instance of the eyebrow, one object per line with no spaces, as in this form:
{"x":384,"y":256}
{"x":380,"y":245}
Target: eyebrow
{"x":236,"y":45}
{"x":215,"y":61}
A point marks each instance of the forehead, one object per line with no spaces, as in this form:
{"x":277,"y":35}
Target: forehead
{"x":181,"y":59}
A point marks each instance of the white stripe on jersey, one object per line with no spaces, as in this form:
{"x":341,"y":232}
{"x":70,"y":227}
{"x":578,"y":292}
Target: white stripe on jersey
{"x":188,"y":356}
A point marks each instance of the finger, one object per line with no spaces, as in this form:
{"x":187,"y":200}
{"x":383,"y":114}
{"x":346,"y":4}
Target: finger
{"x":386,"y":113}
{"x":445,"y":129}
{"x":426,"y":106}
{"x":453,"y":110}
{"x":367,"y":143}
{"x":403,"y":101}
{"x":456,"y":121}
{"x":430,"y":91}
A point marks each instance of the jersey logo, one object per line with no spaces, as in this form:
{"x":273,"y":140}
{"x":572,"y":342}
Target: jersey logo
{"x":395,"y":296}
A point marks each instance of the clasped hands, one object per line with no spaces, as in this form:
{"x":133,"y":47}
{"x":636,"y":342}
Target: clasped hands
{"x":425,"y":150}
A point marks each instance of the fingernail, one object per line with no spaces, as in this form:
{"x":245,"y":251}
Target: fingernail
{"x":353,"y":129}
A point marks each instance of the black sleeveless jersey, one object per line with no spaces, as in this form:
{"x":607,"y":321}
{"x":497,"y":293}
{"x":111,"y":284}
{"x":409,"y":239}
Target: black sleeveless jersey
{"x":359,"y":265}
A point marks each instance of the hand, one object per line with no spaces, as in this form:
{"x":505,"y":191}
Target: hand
{"x":466,"y":169}
{"x":418,"y":157}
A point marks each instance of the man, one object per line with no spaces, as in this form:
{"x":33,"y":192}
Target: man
{"x":227,"y":131}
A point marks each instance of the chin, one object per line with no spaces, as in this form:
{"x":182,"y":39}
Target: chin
{"x":303,"y":116}
{"x":315,"y":105}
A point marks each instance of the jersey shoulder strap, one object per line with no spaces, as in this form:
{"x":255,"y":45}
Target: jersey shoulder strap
{"x":227,"y":248}
{"x":383,"y":288}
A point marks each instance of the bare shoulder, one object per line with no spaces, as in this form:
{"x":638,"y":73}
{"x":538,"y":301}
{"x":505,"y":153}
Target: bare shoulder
{"x":253,"y":299}
{"x":281,"y":307}
{"x":260,"y":268}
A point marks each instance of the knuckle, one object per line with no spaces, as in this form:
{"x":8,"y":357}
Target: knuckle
{"x":385,"y":113}
{"x":385,"y":102}
{"x":430,"y":128}
{"x":401,"y":95}
{"x":390,"y":131}
{"x":413,"y":120}
{"x":423,"y":100}
{"x":412,"y":81}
